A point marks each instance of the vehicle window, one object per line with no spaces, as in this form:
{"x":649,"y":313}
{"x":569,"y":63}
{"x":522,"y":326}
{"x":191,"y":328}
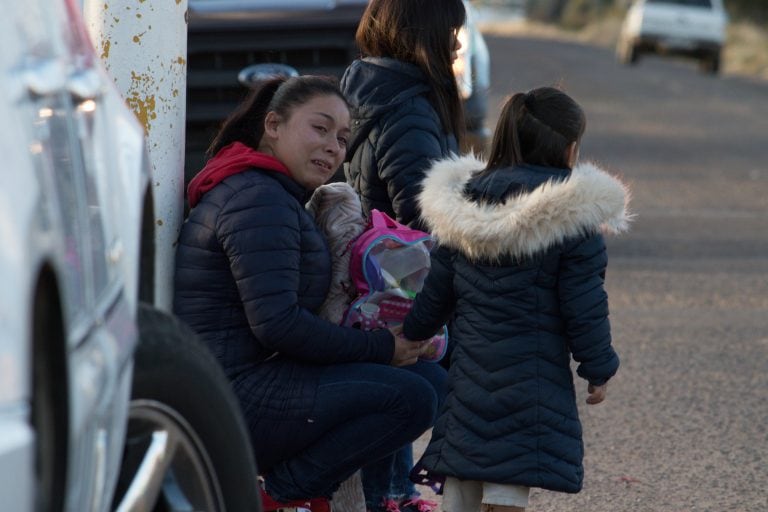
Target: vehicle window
{"x":707,"y":4}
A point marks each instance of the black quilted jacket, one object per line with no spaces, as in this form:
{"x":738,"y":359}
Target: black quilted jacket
{"x":520,"y":270}
{"x":396,"y":135}
{"x":251,"y":271}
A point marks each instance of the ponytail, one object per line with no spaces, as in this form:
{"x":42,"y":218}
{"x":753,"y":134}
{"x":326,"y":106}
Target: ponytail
{"x":505,"y":146}
{"x":246,"y":123}
{"x":536,"y":128}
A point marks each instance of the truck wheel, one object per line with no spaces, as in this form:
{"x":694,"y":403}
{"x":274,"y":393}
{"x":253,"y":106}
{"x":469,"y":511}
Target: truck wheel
{"x":186,"y":445}
{"x":710,"y":64}
{"x":628,"y":54}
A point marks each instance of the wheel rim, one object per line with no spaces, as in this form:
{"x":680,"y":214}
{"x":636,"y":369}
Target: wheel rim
{"x":165,"y":466}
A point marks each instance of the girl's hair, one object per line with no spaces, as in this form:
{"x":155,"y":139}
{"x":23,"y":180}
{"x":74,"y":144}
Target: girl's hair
{"x":280,"y":95}
{"x":536,"y":128}
{"x":419,"y":32}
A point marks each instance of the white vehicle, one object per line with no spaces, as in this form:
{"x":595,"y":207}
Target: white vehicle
{"x":106,"y":403}
{"x":473,"y":72}
{"x":691,"y":28}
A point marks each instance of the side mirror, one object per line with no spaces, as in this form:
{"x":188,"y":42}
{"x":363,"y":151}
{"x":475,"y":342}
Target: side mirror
{"x":250,"y":76}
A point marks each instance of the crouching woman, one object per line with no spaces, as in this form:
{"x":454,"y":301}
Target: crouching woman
{"x":252,"y":269}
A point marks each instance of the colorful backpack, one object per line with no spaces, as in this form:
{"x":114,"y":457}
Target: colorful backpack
{"x":388,"y":265}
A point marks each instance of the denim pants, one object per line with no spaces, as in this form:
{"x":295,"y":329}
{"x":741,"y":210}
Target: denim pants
{"x":363,"y":412}
{"x":389,"y":477}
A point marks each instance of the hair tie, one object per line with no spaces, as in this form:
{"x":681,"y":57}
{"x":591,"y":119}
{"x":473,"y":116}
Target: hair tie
{"x":529,"y":100}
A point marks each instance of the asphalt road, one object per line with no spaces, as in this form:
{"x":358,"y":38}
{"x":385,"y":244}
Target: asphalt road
{"x":685,"y":425}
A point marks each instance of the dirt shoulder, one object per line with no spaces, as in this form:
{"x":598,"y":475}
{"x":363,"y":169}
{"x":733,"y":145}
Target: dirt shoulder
{"x":746,"y":49}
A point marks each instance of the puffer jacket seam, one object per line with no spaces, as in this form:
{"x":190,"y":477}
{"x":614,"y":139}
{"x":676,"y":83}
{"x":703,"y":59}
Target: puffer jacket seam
{"x":539,"y":433}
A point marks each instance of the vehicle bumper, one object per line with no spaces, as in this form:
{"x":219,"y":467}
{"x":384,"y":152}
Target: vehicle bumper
{"x":651,"y":43}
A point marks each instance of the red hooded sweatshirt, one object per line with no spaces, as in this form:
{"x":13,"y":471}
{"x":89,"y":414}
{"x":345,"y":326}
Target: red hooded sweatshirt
{"x":230,"y":160}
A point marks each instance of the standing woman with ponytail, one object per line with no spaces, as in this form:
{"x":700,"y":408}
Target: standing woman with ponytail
{"x":520,"y":268}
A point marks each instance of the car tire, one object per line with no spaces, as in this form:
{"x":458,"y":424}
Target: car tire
{"x":710,"y":64}
{"x":628,"y":53}
{"x":50,"y":413}
{"x":180,"y":395}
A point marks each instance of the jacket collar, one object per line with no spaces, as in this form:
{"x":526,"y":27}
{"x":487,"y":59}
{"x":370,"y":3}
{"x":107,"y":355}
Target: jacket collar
{"x":587,"y":201}
{"x":230,"y":160}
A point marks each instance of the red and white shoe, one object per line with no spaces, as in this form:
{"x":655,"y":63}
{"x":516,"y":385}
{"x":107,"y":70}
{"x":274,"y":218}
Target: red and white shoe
{"x":309,"y":505}
{"x":418,"y":505}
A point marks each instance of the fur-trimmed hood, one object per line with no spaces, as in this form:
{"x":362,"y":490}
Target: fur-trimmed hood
{"x":587,"y":201}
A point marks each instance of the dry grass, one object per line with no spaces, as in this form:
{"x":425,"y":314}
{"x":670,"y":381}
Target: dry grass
{"x":746,"y":49}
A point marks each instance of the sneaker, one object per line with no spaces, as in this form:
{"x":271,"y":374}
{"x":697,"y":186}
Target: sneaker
{"x":390,"y":505}
{"x":418,"y":505}
{"x":408,"y":505}
{"x":319,"y":505}
{"x":310,"y":505}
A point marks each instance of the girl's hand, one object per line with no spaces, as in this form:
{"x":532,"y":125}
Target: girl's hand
{"x":596,"y":393}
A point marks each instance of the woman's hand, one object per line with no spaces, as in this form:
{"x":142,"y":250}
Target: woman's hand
{"x":596,"y":393}
{"x":407,"y":352}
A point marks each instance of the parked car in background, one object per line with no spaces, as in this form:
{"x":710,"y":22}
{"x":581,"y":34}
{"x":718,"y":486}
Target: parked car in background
{"x":312,"y":36}
{"x":689,"y":28}
{"x":473,"y":72}
{"x":106,"y":402}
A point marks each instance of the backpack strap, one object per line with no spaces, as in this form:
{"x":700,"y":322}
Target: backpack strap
{"x":382,"y":220}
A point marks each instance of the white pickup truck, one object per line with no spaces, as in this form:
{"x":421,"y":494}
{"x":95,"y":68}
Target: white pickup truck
{"x":690,"y":28}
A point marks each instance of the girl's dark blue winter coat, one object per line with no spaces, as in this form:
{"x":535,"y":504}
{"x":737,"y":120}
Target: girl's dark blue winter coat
{"x":396,"y":135}
{"x":520,"y":271}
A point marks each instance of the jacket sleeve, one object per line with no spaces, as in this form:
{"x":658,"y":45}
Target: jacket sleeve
{"x":435,"y":303}
{"x":584,"y":306}
{"x":404,"y":152}
{"x":261,"y":235}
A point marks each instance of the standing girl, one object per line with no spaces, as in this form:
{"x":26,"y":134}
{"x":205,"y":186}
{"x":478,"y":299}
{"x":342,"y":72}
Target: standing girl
{"x":406,"y":112}
{"x":520,"y":268}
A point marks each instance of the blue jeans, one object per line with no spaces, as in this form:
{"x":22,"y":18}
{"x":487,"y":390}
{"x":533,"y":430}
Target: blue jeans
{"x":362,"y":412}
{"x":388,"y":477}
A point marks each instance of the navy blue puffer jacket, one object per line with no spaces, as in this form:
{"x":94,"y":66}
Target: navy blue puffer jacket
{"x":251,"y":271}
{"x":520,"y":270}
{"x":396,"y":135}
